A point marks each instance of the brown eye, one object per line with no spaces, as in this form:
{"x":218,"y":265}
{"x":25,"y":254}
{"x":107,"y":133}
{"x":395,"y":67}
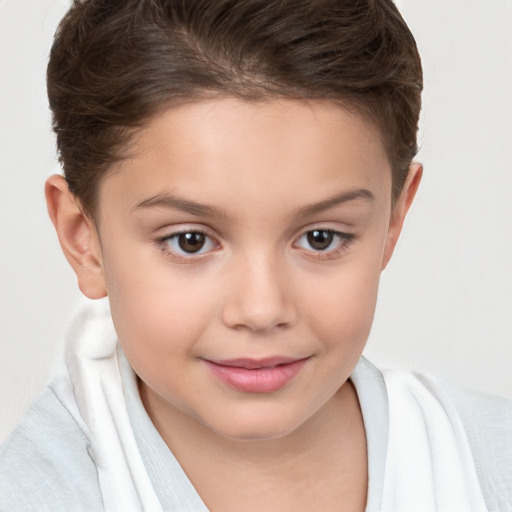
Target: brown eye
{"x":324,"y":243}
{"x":191,"y":242}
{"x":320,"y":239}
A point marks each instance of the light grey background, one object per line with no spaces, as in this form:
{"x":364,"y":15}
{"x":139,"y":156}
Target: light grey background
{"x":445,"y":305}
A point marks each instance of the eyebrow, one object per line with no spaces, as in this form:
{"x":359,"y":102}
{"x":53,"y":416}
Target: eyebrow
{"x":344,"y":197}
{"x":178,"y":203}
{"x":203,"y":210}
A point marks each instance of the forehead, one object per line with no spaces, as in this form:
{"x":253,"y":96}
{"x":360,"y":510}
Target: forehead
{"x":233,"y":150}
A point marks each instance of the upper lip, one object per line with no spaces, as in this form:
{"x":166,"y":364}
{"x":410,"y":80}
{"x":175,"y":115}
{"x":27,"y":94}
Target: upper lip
{"x":255,"y":363}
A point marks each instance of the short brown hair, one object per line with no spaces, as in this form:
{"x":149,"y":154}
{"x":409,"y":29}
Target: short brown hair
{"x":116,"y":63}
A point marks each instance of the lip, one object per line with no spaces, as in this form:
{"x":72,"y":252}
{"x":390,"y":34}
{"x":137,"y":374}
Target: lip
{"x":256,"y":375}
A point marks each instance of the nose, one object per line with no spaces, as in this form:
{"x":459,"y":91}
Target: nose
{"x":258,"y":296}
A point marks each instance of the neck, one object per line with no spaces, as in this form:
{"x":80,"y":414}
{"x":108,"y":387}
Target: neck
{"x":330,"y":445}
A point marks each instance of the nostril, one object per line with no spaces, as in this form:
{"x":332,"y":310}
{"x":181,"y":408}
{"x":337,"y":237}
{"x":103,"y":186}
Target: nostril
{"x":257,"y":319}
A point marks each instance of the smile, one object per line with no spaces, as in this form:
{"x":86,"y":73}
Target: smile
{"x":256,"y":376}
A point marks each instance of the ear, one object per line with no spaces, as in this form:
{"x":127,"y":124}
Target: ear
{"x":400,"y":210}
{"x":78,"y":237}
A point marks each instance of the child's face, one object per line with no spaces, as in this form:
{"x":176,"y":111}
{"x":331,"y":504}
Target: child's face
{"x":242,"y":236}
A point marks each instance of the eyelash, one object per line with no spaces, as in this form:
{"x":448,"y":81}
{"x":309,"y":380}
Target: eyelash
{"x":164,"y":241}
{"x":345,"y":240}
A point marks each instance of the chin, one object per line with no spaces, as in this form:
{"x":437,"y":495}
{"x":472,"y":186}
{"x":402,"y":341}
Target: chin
{"x":263,"y":427}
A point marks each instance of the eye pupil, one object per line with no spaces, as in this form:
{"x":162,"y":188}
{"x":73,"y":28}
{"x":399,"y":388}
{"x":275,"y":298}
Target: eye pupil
{"x":191,"y":242}
{"x":320,"y":239}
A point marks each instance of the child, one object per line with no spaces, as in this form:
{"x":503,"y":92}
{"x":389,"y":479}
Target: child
{"x":236,"y":177}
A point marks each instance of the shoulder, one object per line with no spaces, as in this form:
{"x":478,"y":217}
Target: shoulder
{"x":485,"y":417}
{"x":486,"y":421}
{"x":45,"y":463}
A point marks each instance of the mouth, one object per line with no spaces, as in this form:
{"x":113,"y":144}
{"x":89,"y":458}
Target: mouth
{"x":256,"y":375}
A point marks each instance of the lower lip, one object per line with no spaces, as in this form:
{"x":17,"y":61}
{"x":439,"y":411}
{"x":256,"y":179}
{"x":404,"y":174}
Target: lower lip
{"x":258,"y":380}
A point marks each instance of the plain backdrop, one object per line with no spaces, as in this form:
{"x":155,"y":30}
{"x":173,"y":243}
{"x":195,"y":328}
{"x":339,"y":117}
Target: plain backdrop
{"x":445,"y":304}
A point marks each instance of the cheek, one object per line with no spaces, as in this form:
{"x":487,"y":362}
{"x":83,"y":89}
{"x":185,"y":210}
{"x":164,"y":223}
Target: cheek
{"x":158,"y":312}
{"x":343,"y":306}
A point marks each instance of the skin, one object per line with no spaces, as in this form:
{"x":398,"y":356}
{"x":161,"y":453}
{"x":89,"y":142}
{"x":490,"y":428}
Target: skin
{"x":268,"y":174}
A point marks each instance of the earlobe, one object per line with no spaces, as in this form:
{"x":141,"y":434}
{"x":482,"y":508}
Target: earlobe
{"x":400,"y":210}
{"x":78,"y":237}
